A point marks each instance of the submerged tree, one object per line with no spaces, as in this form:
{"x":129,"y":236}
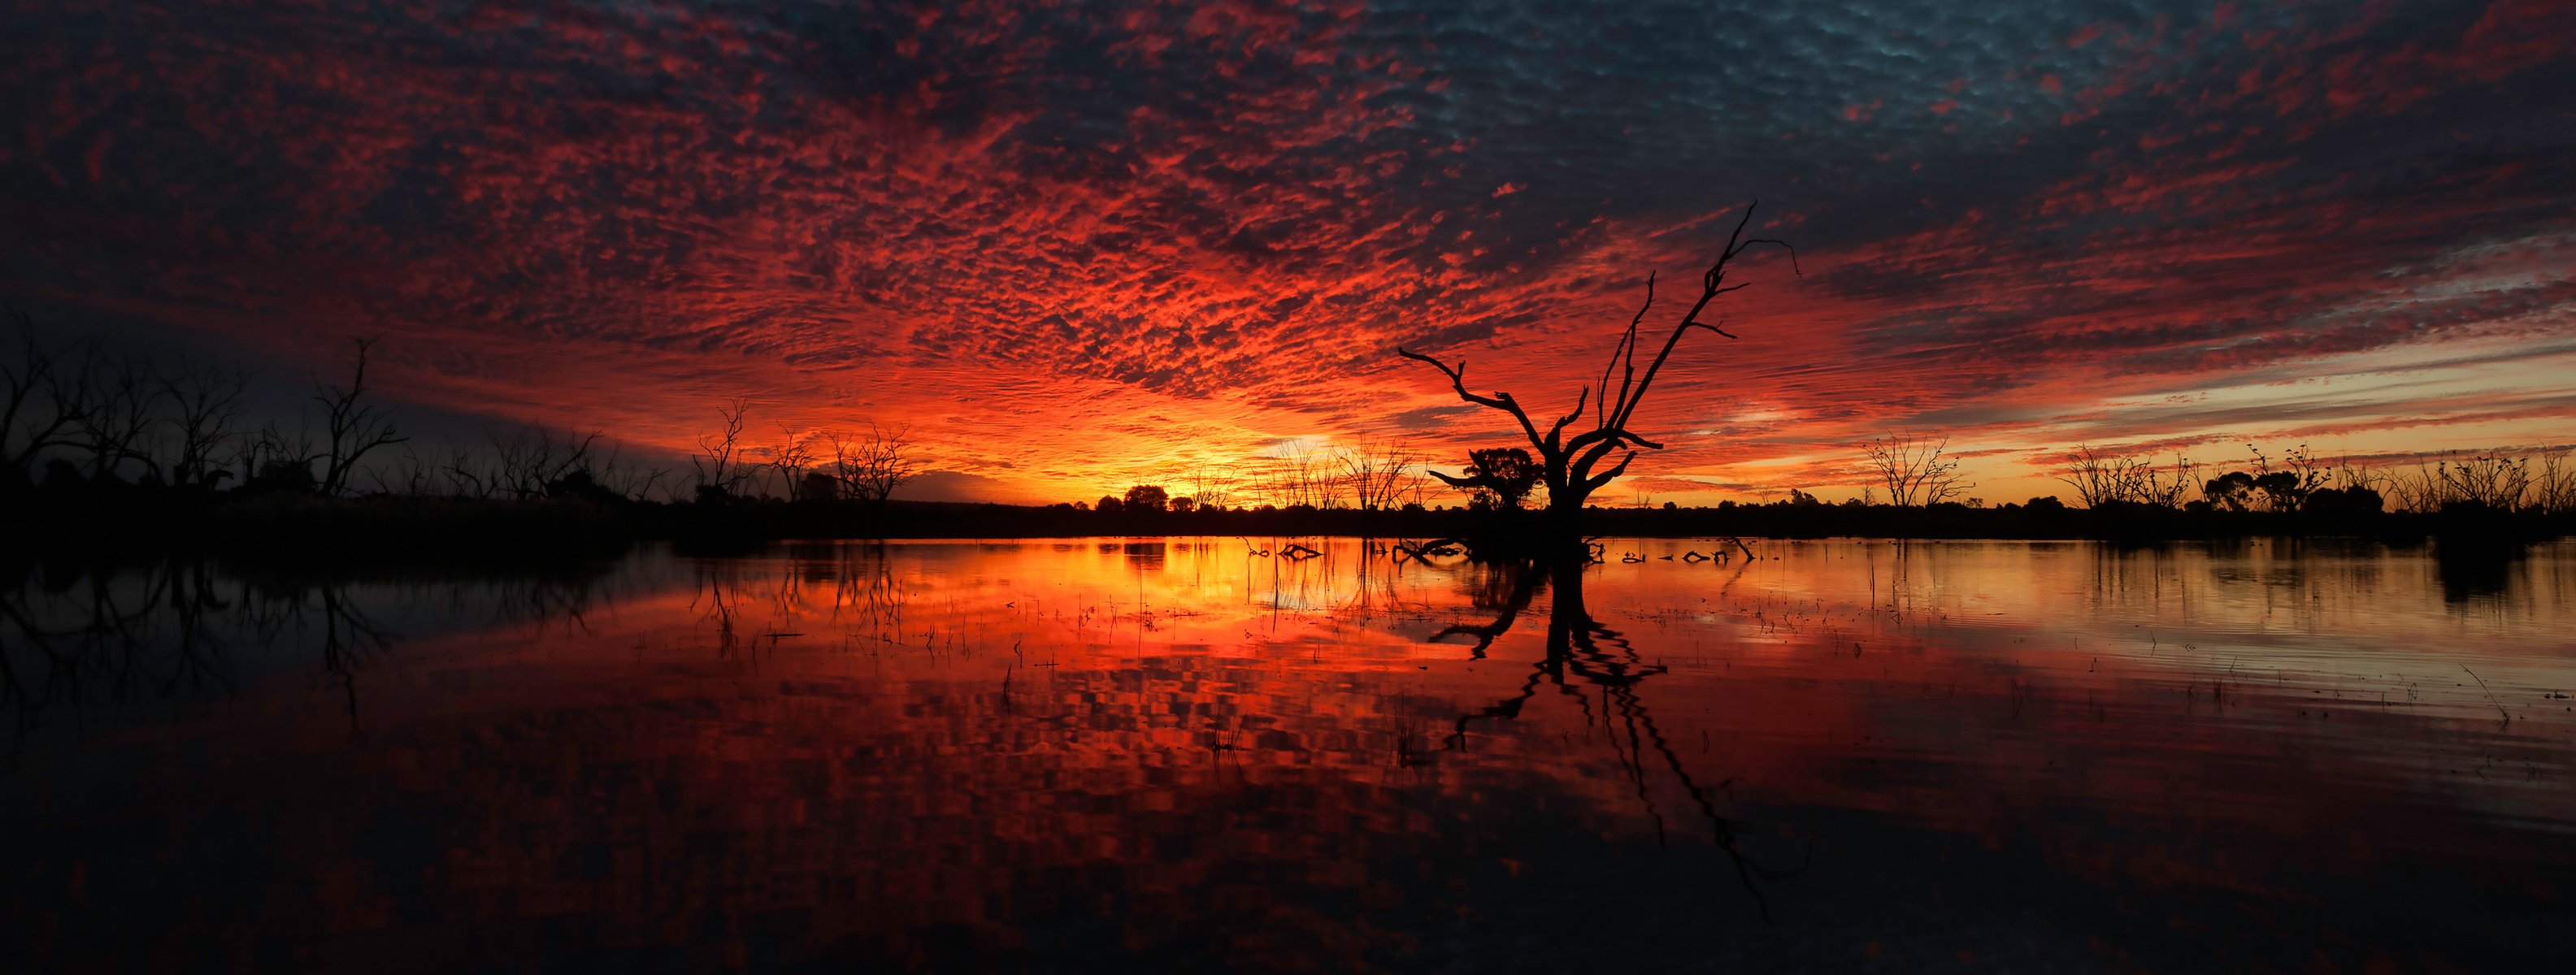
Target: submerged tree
{"x":1569,"y":463}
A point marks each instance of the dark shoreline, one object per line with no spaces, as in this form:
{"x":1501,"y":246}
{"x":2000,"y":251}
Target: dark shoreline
{"x":430,"y":530}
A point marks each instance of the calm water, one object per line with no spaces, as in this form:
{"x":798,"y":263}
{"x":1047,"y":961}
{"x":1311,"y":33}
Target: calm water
{"x":1122,"y":754}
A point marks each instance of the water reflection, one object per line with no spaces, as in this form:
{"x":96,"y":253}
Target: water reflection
{"x":1194,"y":752}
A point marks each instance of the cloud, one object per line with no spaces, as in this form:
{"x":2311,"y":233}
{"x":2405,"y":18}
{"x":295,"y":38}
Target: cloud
{"x":1079,"y":243}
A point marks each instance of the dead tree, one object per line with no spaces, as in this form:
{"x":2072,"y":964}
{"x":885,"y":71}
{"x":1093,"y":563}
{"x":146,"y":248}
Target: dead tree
{"x":718,"y":464}
{"x":1570,"y":462}
{"x":2103,"y":477}
{"x":1917,"y":471}
{"x":351,"y":426}
{"x":206,"y":405}
{"x":123,"y":410}
{"x":792,"y":458}
{"x":43,"y":402}
{"x":1377,"y":473}
{"x":532,"y":462}
{"x":873,"y":466}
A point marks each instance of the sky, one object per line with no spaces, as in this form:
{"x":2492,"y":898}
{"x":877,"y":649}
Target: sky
{"x":1075,"y":246}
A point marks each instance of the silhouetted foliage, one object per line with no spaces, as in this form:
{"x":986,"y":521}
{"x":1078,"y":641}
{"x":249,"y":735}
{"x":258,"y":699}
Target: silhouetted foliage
{"x":1146,"y":498}
{"x":1497,"y":478}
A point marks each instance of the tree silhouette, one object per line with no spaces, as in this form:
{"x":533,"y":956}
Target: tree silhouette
{"x":1569,"y":463}
{"x":1500,"y":477}
{"x":718,"y":464}
{"x":871,"y":467}
{"x":1918,"y":471}
{"x":42,"y":401}
{"x":352,"y":426}
{"x":1147,"y":497}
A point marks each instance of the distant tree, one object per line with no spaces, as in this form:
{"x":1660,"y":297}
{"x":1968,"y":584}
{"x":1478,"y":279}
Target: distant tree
{"x":124,"y":408}
{"x":276,"y":460}
{"x":1109,"y":505}
{"x":1184,"y":504}
{"x":873,"y":465}
{"x":791,"y":458}
{"x":1147,"y":497}
{"x":2344,"y":502}
{"x":1569,"y":464}
{"x":525,"y":463}
{"x":1377,"y":474}
{"x":718,"y":463}
{"x":1915,"y":470}
{"x":1211,"y":487}
{"x":352,"y":427}
{"x":2233,"y":491}
{"x":2104,"y":478}
{"x":818,"y":486}
{"x":1496,"y":478}
{"x":205,"y":403}
{"x":1299,"y":475}
{"x":580,"y":485}
{"x":42,"y":401}
{"x":2045,"y":503}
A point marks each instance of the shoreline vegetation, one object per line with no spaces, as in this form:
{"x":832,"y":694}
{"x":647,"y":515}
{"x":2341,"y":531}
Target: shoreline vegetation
{"x":437,"y":528}
{"x":110,"y":455}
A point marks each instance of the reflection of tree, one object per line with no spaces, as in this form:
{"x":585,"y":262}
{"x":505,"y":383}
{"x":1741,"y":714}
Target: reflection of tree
{"x":1595,"y":656}
{"x":1503,"y":587}
{"x":108,"y":635}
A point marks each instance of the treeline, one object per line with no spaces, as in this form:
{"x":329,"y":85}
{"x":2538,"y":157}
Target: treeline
{"x":101,"y":447}
{"x":104,"y":448}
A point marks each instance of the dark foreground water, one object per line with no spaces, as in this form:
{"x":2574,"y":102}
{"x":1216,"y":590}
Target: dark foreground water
{"x":1122,"y":755}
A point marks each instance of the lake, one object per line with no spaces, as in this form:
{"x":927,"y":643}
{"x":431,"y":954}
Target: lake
{"x":1122,"y":754}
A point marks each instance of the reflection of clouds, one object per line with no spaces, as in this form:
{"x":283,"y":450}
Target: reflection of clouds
{"x":882,"y":745}
{"x":1124,"y":237}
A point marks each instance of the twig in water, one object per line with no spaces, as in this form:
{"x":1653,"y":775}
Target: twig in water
{"x":2491,"y":698}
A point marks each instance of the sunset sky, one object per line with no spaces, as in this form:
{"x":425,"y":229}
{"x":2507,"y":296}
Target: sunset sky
{"x":1076,"y":246}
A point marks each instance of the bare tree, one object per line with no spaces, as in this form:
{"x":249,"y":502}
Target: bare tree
{"x":1298,"y":474}
{"x":1916,"y":470}
{"x":1377,"y":474}
{"x":205,"y":403}
{"x":1569,"y":463}
{"x":2102,"y":477}
{"x":2491,"y":480}
{"x":872,"y":466}
{"x":276,"y":459}
{"x":45,"y":402}
{"x":1210,"y":487}
{"x":626,"y":480}
{"x":2553,"y":488}
{"x":792,"y":458}
{"x":532,"y":462}
{"x":117,"y":427}
{"x":718,"y":463}
{"x":352,"y":427}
